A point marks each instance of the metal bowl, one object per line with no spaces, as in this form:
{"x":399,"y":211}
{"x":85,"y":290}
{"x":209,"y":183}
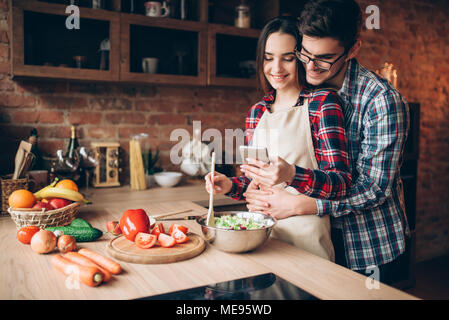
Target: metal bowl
{"x":237,"y":241}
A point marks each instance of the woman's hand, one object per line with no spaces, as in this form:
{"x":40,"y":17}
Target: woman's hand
{"x":222,"y":184}
{"x":276,"y":172}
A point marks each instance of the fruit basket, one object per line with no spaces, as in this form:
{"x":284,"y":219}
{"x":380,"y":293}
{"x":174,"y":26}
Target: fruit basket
{"x":44,"y":218}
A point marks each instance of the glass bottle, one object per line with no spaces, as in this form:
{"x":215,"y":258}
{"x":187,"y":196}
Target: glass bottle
{"x":37,"y":163}
{"x":242,"y":15}
{"x":73,"y":144}
{"x":52,"y":173}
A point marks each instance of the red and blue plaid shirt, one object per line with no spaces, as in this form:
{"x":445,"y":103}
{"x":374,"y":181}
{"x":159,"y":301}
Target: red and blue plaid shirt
{"x":332,"y":179}
{"x":372,"y":217}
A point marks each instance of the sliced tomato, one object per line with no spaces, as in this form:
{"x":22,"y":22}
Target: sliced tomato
{"x":180,"y":237}
{"x":158,"y":229}
{"x":166,"y":241}
{"x":145,"y":240}
{"x":180,"y":227}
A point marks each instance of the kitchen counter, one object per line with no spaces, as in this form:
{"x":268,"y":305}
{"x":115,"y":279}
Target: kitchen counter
{"x":27,"y":275}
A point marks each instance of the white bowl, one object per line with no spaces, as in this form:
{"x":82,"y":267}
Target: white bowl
{"x":168,"y":179}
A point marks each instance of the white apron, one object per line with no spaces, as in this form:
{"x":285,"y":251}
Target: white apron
{"x":286,"y":133}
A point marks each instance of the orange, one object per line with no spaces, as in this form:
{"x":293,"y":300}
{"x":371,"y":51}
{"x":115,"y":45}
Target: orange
{"x":67,"y":184}
{"x":21,"y":199}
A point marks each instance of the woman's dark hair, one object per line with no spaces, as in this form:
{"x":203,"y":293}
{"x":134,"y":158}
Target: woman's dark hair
{"x":337,"y":19}
{"x":283,"y":24}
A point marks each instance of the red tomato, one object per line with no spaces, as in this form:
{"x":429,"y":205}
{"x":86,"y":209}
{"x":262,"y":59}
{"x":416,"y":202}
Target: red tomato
{"x":158,"y":229}
{"x":25,"y":234}
{"x":133,"y":222}
{"x":113,"y":227}
{"x":180,"y":227}
{"x":166,"y":241}
{"x":180,"y":237}
{"x":145,"y":240}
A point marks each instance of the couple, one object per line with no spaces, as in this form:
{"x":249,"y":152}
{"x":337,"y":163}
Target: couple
{"x":334,"y":187}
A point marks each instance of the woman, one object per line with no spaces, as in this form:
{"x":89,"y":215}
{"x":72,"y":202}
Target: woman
{"x":309,"y":154}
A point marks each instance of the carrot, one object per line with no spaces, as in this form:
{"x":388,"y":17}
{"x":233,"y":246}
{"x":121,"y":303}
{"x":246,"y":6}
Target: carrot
{"x":90,"y":276}
{"x":82,"y":260}
{"x":106,"y":263}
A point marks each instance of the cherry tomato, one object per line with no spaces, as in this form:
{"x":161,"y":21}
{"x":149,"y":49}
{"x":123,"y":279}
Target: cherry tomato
{"x":180,"y":237}
{"x":166,"y":241}
{"x":25,"y":234}
{"x":180,"y":227}
{"x":133,"y":222}
{"x":145,"y":240}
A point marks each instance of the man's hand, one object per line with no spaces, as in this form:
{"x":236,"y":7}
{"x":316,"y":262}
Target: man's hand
{"x":278,"y":203}
{"x":256,"y":197}
{"x":276,"y":172}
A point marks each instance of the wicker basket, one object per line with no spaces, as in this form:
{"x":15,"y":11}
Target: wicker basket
{"x":8,"y":186}
{"x":44,"y":219}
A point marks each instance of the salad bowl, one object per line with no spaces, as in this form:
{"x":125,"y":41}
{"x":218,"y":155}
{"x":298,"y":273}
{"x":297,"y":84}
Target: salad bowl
{"x":237,"y":231}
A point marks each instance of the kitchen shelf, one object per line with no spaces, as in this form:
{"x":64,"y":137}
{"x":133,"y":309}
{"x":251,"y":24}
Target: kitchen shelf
{"x":40,"y":38}
{"x":229,"y":50}
{"x":213,"y":51}
{"x":112,"y":5}
{"x":168,"y":40}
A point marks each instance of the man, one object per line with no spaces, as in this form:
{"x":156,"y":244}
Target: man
{"x":369,"y":227}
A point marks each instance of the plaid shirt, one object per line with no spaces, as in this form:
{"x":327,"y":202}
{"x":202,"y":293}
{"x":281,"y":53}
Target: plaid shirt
{"x":333,"y":179}
{"x":372,"y":218}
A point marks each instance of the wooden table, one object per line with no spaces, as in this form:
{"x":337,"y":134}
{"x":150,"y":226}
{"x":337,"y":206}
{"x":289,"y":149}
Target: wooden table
{"x":27,"y":275}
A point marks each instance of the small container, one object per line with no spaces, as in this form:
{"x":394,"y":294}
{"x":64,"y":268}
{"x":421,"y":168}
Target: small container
{"x":242,"y":16}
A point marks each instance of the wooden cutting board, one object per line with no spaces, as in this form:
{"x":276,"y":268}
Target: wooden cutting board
{"x":125,"y":250}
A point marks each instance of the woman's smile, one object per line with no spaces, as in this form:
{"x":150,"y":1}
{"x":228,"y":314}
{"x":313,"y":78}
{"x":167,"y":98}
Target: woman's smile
{"x":279,"y":78}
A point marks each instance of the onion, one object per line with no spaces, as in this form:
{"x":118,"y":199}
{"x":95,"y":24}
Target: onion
{"x":66,"y":243}
{"x":43,"y":241}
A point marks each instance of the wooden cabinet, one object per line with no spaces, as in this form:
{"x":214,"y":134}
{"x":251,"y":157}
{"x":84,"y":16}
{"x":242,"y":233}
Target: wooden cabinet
{"x":179,"y":46}
{"x":43,"y":46}
{"x":232,"y":56}
{"x":405,"y":268}
{"x":202,"y":49}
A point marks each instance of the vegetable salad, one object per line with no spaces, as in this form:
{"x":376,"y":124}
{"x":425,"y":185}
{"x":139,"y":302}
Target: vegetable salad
{"x":237,"y":223}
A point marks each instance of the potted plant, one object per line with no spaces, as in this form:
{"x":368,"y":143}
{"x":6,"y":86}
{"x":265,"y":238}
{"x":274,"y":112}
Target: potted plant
{"x":149,"y":162}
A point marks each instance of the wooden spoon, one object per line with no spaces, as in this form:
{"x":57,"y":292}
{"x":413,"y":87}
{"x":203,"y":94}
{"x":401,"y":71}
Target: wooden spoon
{"x":210,"y":221}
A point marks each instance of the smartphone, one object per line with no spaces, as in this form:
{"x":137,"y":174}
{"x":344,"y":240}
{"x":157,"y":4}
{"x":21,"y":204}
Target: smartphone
{"x":258,"y":153}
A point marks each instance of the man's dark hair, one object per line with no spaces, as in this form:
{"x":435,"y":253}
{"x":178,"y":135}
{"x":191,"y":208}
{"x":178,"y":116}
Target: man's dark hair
{"x":337,"y":19}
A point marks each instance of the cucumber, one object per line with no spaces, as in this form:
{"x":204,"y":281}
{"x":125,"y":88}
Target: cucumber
{"x":78,"y":222}
{"x":81,"y":234}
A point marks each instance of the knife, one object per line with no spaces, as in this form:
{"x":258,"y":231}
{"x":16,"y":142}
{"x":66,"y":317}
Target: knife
{"x":182,"y":218}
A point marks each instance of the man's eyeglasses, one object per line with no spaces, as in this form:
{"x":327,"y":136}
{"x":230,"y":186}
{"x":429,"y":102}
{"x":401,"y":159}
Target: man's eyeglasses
{"x":319,"y":63}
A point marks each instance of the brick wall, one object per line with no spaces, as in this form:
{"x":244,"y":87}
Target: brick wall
{"x":412,"y":36}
